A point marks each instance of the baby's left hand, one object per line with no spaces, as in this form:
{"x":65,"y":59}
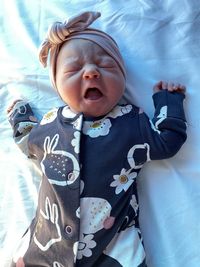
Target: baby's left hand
{"x":11,"y":106}
{"x":171,"y":87}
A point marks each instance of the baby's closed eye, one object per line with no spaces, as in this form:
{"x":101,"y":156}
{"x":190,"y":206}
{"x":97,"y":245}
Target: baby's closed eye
{"x":107,"y":62}
{"x":71,"y":67}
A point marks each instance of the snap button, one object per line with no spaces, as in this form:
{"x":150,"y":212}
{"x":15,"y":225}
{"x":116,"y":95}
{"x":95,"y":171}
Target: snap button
{"x":71,"y":176}
{"x":68,"y":230}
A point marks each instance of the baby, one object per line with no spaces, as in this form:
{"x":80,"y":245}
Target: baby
{"x":90,"y":152}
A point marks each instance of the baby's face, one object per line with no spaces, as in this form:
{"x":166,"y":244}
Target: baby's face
{"x":87,"y":78}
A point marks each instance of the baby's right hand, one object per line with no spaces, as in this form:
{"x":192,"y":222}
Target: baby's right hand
{"x":9,"y":109}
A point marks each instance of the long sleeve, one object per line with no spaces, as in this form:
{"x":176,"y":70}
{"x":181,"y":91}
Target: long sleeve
{"x":22,"y":121}
{"x":166,"y":132}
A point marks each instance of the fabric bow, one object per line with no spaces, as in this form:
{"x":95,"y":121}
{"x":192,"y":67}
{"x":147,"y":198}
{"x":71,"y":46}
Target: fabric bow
{"x":58,"y":32}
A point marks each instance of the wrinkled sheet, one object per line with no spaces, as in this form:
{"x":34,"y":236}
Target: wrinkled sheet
{"x":159,"y":40}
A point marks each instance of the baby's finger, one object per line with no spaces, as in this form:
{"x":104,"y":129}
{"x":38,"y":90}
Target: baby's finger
{"x":170,"y":87}
{"x":164,"y":85}
{"x":182,"y":88}
{"x":179,"y":88}
{"x":158,"y":86}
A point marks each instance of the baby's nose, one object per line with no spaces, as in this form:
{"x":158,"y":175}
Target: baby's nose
{"x":91,"y":72}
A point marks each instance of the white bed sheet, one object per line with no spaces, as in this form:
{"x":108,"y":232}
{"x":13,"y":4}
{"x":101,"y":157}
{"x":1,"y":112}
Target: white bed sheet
{"x":159,"y":39}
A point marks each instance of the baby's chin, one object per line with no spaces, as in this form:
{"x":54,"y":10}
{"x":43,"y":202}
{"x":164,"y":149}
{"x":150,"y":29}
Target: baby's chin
{"x":94,"y":108}
{"x":96,"y":113}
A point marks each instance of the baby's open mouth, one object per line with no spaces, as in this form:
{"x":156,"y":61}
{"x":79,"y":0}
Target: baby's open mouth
{"x":93,"y":94}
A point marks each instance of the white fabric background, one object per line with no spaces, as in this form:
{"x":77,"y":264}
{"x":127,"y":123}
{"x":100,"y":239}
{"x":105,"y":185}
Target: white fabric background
{"x":159,"y":40}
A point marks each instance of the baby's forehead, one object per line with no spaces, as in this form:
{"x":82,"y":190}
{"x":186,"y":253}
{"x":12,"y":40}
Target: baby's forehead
{"x":83,"y":46}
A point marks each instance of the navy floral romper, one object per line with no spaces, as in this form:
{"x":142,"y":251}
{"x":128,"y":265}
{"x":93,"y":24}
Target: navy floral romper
{"x":87,"y":211}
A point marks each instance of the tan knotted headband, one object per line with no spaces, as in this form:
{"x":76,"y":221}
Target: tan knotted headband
{"x":76,"y":28}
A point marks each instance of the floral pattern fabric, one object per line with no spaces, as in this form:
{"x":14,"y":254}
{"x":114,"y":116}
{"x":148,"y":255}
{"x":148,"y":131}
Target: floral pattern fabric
{"x":87,"y":207}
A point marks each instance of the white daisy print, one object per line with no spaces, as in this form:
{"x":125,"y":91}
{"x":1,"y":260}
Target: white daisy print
{"x":120,"y":111}
{"x":97,"y":128}
{"x":49,"y":116}
{"x":67,"y":113}
{"x":76,"y":142}
{"x":86,"y":243}
{"x":123,"y":180}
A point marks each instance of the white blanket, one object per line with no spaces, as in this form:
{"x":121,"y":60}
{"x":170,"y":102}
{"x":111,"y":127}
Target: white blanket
{"x":159,"y":40}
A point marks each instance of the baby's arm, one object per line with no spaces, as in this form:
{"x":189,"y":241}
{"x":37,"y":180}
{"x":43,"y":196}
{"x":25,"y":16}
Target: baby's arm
{"x":166,"y":132}
{"x":22,"y":120}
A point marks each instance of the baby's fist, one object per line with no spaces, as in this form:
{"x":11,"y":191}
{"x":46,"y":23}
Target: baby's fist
{"x":170,"y":86}
{"x":9,"y":109}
